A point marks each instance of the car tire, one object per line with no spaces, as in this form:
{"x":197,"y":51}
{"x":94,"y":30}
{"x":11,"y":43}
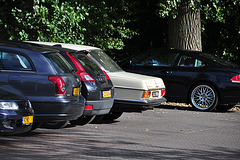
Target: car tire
{"x":112,"y":116}
{"x":83,"y":120}
{"x":204,"y":97}
{"x":55,"y":125}
{"x":98,"y":119}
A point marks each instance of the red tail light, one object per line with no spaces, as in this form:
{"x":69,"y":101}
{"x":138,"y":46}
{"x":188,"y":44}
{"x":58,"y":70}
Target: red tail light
{"x":76,"y":63}
{"x":84,"y":76}
{"x":88,"y":107}
{"x":108,"y":78}
{"x":236,"y":79}
{"x":59,"y":85}
{"x":163,"y":92}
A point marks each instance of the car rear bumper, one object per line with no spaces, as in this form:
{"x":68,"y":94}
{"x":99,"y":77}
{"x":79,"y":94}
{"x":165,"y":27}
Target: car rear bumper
{"x":129,"y":105}
{"x":230,"y":100}
{"x":53,"y":111}
{"x":11,"y":122}
{"x":100,"y":107}
{"x":230,"y":94}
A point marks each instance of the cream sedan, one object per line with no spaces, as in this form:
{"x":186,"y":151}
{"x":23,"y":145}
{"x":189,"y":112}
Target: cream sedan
{"x":132,"y":92}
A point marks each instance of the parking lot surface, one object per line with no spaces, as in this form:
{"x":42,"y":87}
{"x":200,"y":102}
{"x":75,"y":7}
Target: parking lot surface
{"x":162,"y":133}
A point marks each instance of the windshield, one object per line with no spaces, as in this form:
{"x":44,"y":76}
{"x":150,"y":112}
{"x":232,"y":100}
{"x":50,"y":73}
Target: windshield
{"x":220,"y":61}
{"x":89,"y":65}
{"x":104,"y":61}
{"x":59,"y":63}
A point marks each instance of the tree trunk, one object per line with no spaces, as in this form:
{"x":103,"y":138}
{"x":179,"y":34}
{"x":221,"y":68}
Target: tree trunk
{"x":185,"y":29}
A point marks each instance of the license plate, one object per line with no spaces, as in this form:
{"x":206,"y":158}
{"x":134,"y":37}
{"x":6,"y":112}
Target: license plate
{"x":107,"y":94}
{"x":155,"y":93}
{"x":76,"y":91}
{"x":27,"y":120}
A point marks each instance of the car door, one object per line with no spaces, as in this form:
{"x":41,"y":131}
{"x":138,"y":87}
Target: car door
{"x":189,"y":68}
{"x":17,"y":70}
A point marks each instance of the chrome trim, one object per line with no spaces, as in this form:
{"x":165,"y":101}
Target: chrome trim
{"x":142,"y":101}
{"x":236,"y":81}
{"x":152,"y":89}
{"x":19,"y":71}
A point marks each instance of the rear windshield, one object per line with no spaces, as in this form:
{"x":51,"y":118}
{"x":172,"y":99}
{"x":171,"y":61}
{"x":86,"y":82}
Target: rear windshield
{"x":59,"y":63}
{"x":104,"y":61}
{"x":88,"y":64}
{"x":220,"y":61}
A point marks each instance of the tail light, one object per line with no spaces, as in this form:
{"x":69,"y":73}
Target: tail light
{"x":76,"y":63}
{"x":88,"y":107}
{"x":236,"y":79}
{"x":163,"y":92}
{"x":84,"y":76}
{"x":108,"y":78}
{"x":59,"y":85}
{"x":152,"y":94}
{"x":147,"y":94}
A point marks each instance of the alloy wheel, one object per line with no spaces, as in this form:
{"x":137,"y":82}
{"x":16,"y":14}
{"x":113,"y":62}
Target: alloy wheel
{"x":203,"y":97}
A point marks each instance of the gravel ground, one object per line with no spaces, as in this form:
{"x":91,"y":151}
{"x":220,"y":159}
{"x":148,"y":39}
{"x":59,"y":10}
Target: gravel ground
{"x":164,"y":133}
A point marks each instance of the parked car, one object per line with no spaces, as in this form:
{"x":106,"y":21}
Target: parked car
{"x":97,"y":88}
{"x":16,"y":113}
{"x":45,"y":78}
{"x":204,"y":80}
{"x":132,"y":92}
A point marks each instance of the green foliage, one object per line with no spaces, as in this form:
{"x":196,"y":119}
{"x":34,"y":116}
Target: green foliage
{"x":221,"y":28}
{"x":98,"y":23}
{"x":9,"y":26}
{"x":107,"y":23}
{"x":111,"y":25}
{"x":220,"y":24}
{"x":171,"y":7}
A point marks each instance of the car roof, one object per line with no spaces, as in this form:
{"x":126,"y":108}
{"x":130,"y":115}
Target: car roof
{"x":206,"y":56}
{"x":27,"y":46}
{"x":172,"y":50}
{"x":66,"y":45}
{"x":55,"y":47}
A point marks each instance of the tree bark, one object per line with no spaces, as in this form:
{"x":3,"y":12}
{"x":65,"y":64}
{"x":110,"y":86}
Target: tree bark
{"x":185,"y":29}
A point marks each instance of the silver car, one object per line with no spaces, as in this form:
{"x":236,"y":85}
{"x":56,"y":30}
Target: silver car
{"x":133,"y":92}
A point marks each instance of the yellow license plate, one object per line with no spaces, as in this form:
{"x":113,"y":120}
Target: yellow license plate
{"x":107,"y":94}
{"x":76,"y":91}
{"x":27,"y":120}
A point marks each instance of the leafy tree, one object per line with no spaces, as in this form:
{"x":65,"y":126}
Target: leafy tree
{"x":184,"y":23}
{"x":10,"y":28}
{"x":220,"y":25}
{"x":221,"y":28}
{"x":98,"y":23}
{"x":113,"y":25}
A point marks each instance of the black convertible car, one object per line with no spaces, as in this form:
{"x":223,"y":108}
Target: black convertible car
{"x":204,"y":80}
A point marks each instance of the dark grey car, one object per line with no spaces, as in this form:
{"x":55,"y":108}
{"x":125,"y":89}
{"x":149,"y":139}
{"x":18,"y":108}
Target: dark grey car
{"x":45,"y":78}
{"x":16,"y":113}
